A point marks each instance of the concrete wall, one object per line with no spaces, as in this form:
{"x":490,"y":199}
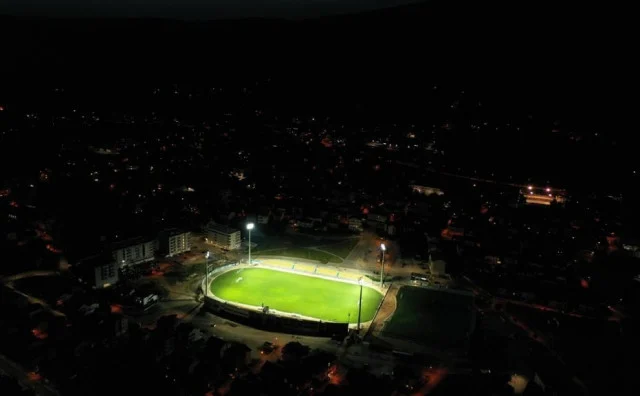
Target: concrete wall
{"x":280,"y":324}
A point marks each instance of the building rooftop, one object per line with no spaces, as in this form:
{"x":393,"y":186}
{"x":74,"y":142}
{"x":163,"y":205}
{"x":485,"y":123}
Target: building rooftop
{"x":221,"y":228}
{"x":97,"y":260}
{"x":174,"y":231}
{"x":130,"y":242}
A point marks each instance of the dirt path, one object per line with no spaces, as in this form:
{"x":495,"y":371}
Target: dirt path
{"x":386,"y":311}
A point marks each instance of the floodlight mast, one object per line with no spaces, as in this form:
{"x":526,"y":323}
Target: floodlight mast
{"x":384,"y":249}
{"x":359,"y":304}
{"x":206,"y":273}
{"x":249,"y":228}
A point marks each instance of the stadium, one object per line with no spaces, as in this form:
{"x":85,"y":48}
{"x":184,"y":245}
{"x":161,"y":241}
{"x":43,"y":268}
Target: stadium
{"x":293,"y":289}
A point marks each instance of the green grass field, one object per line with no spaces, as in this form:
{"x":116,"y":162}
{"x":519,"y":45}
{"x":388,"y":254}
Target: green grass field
{"x":342,"y":248}
{"x":299,"y":294}
{"x":430,"y":316}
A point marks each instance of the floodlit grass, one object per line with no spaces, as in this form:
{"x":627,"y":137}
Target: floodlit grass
{"x":299,"y":294}
{"x":430,"y":316}
{"x":342,"y":248}
{"x":302,"y":253}
{"x":288,"y":241}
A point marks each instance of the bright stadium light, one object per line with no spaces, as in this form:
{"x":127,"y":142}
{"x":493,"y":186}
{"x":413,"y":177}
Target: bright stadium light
{"x":360,"y":303}
{"x":249,"y":228}
{"x":206,"y":273}
{"x":384,"y":249}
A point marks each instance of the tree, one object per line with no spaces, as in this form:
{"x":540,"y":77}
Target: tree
{"x":294,"y":352}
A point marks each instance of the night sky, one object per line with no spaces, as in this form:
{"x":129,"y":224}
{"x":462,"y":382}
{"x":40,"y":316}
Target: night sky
{"x":192,"y":9}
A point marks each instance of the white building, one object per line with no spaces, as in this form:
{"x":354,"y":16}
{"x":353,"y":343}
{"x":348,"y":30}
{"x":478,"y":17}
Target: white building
{"x":134,"y":251}
{"x":173,"y":242}
{"x":222,"y":236}
{"x":305,"y":223}
{"x":425,"y":190}
{"x":355,"y":224}
{"x":438,"y":267}
{"x":377,"y":221}
{"x":391,"y":230}
{"x":632,"y":246}
{"x":100,"y":271}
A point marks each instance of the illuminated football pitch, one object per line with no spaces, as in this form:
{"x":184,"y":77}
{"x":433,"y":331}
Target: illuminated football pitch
{"x":305,"y":295}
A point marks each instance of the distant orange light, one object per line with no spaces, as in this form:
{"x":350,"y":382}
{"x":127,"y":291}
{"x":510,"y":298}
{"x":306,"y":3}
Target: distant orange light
{"x":41,"y":335}
{"x":584,"y":283}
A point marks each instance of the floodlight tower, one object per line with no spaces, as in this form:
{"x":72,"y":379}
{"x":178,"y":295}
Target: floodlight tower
{"x":206,"y":273}
{"x":384,"y":249}
{"x":249,"y":228}
{"x":360,"y":304}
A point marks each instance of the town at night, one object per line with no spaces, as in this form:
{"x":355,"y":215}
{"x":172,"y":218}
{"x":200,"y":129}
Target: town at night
{"x":328,"y":207}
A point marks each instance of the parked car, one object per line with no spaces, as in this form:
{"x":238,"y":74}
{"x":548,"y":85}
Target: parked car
{"x":267,"y":348}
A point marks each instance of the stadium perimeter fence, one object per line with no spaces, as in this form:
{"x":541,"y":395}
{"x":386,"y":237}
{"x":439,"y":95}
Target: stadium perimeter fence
{"x":253,"y":317}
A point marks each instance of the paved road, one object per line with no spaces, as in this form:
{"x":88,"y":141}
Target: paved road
{"x":28,"y":274}
{"x":362,"y":255}
{"x":190,"y":311}
{"x":9,"y":282}
{"x":25,"y":379}
{"x":184,"y":309}
{"x":358,"y":355}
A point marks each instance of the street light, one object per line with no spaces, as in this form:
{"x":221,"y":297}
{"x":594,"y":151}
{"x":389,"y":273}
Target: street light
{"x":360,"y":303}
{"x":249,"y":228}
{"x":206,"y":273}
{"x":384,"y":249}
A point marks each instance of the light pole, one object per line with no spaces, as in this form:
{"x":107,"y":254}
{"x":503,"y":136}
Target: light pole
{"x":384,"y":249}
{"x":249,"y":228}
{"x":360,"y":303}
{"x":206,"y":273}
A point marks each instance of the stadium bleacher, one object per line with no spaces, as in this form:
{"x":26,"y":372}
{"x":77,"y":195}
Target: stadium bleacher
{"x":327,"y":271}
{"x":304,"y":267}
